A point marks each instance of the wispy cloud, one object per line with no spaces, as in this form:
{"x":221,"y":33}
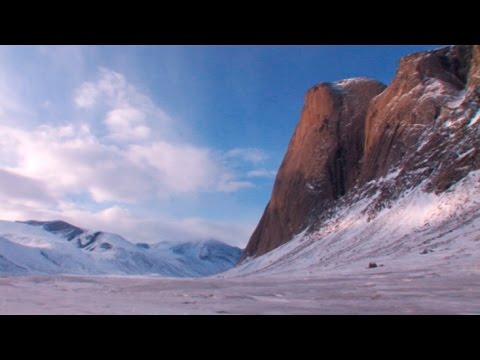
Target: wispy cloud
{"x":10,"y":91}
{"x":127,"y":123}
{"x":110,"y":87}
{"x":251,"y":155}
{"x":179,"y":168}
{"x":86,"y":95}
{"x":261,"y":173}
{"x":69,"y":57}
{"x":130,"y":157}
{"x":24,"y":189}
{"x":71,"y":159}
{"x":232,"y":186}
{"x":121,"y":220}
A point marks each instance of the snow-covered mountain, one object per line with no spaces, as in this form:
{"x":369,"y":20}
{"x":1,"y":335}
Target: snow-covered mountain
{"x":56,"y":247}
{"x":420,"y":230}
{"x":381,"y":174}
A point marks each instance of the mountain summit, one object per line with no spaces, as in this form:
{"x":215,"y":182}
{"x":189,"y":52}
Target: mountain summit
{"x":419,"y":132}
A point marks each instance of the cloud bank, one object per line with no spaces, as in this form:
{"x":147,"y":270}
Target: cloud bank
{"x":124,"y":152}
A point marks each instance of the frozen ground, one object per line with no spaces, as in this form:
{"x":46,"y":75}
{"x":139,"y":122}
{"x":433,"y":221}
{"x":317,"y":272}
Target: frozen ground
{"x":370,"y":291}
{"x":427,"y":247}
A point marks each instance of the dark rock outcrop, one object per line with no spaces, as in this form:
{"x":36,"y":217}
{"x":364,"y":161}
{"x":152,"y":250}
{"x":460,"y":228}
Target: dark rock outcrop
{"x":354,"y":132}
{"x":322,"y":160}
{"x":422,"y":94}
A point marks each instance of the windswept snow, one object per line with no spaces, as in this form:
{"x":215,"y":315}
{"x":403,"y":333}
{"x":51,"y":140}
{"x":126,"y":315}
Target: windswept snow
{"x":341,"y":84}
{"x":446,"y":225}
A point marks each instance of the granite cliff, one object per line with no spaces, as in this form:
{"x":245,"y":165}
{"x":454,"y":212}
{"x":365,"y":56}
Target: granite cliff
{"x":422,"y":129}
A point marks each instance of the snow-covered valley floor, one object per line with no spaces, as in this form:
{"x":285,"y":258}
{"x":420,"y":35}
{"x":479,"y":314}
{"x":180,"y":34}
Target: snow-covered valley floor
{"x":427,"y":248}
{"x":370,"y":291}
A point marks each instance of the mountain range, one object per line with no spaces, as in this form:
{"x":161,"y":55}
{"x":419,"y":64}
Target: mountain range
{"x":57,"y":247}
{"x":374,"y":175}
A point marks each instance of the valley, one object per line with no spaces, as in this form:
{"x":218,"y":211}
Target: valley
{"x":372,"y":291}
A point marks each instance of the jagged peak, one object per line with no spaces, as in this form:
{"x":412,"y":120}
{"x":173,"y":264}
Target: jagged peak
{"x":450,"y":64}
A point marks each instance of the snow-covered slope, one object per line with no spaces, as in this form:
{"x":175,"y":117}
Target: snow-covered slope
{"x":422,"y":129}
{"x":57,"y":247}
{"x":396,"y":185}
{"x":420,"y":230}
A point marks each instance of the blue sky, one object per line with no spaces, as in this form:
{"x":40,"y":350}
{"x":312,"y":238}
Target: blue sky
{"x":159,"y":142}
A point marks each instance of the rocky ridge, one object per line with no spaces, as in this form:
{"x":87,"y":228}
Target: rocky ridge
{"x":421,"y":130}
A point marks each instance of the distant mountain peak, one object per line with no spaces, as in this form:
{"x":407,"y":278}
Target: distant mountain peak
{"x":61,"y":227}
{"x":59,"y":247}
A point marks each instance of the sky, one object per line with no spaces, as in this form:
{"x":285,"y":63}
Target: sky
{"x":159,"y":143}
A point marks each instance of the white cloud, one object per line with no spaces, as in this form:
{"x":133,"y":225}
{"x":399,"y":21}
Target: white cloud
{"x":151,"y":230}
{"x":251,"y":155}
{"x":16,"y":188}
{"x":22,"y":197}
{"x":139,"y":164}
{"x":70,"y":159}
{"x":180,"y":168}
{"x":133,"y":158}
{"x":232,"y":186}
{"x":195,"y":228}
{"x":261,"y":173}
{"x":127,"y":123}
{"x":86,"y":95}
{"x":120,"y":220}
{"x":111,"y":88}
{"x":131,"y":116}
